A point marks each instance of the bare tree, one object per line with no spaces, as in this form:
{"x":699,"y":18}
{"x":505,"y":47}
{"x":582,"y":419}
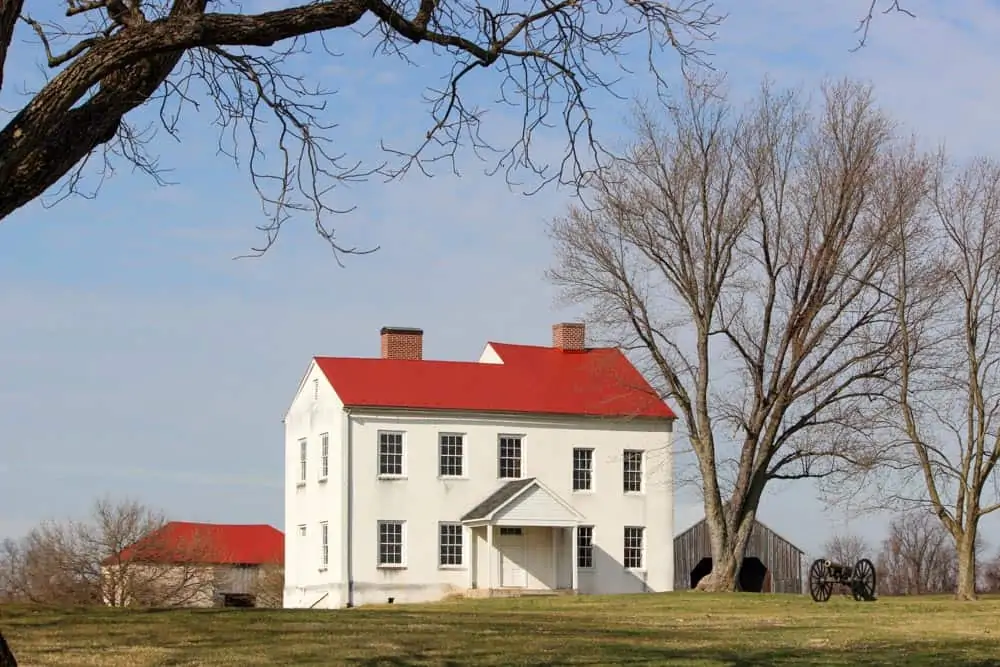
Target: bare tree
{"x":917,"y":557}
{"x":269,"y":586}
{"x":11,"y":569}
{"x":139,"y":563}
{"x":743,"y":258}
{"x":991,"y":576}
{"x":116,"y":557}
{"x":846,"y":549}
{"x":552,"y":58}
{"x":949,"y":389}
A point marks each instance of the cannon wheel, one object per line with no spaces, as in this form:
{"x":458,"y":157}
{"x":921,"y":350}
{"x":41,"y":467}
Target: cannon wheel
{"x":863,"y":581}
{"x":819,"y":586}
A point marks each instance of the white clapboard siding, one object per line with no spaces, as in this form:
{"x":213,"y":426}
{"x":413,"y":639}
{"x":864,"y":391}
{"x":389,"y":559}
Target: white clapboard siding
{"x":537,"y":506}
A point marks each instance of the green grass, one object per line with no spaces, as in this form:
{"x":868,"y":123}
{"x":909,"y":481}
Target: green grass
{"x":675,"y":629}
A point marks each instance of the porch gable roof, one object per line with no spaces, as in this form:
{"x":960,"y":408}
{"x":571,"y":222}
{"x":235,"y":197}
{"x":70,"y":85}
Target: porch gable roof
{"x":507,"y":498}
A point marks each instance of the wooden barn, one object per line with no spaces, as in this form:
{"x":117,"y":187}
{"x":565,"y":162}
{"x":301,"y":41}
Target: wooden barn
{"x":771,"y":564}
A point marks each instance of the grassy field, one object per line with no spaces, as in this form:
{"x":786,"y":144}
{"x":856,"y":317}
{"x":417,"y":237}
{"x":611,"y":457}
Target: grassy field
{"x":674,"y":629}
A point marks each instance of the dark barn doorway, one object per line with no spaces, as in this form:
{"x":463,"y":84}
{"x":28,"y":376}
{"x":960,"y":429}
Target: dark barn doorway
{"x":753,"y":576}
{"x":238,"y":600}
{"x":701,"y":570}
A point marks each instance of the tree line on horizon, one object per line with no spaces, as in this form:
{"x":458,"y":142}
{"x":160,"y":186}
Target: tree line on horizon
{"x":74,"y":563}
{"x":917,"y":556}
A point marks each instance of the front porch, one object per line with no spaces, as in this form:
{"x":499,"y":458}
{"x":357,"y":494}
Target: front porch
{"x":523,"y":540}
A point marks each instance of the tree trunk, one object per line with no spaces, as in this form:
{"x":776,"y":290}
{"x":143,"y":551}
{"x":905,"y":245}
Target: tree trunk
{"x":6,"y":655}
{"x":727,"y":553}
{"x":966,"y":552}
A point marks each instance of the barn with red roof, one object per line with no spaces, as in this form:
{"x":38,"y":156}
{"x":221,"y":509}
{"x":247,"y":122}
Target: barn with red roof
{"x":185,"y":563}
{"x":535,"y":469}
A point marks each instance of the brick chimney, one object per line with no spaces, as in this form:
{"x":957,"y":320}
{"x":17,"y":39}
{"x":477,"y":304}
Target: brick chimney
{"x":402,"y":343}
{"x":569,"y":336}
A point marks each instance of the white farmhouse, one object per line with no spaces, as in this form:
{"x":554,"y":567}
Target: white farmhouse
{"x":532,"y":469}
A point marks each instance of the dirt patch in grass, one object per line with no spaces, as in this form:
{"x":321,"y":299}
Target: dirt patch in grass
{"x":677,"y":628}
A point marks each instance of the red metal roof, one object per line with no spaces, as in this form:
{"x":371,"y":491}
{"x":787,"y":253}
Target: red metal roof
{"x":598,"y":382}
{"x":208,"y":543}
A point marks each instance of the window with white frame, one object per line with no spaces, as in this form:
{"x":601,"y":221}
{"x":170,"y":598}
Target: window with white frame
{"x":585,"y":546}
{"x":303,"y":451}
{"x":632,"y":470}
{"x":390,"y":454}
{"x":324,"y":456}
{"x":509,"y":458}
{"x":451,"y":458}
{"x":390,"y":543}
{"x":633,"y":547}
{"x":450,"y":544}
{"x":324,"y":534}
{"x":302,"y":531}
{"x":583,"y":469}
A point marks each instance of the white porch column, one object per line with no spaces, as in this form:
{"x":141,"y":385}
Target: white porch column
{"x":489,"y":557}
{"x":572,"y":565}
{"x":473,"y":556}
{"x":556,"y":554}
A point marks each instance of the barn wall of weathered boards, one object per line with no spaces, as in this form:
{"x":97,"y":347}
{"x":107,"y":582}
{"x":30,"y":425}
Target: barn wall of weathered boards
{"x":771,"y":564}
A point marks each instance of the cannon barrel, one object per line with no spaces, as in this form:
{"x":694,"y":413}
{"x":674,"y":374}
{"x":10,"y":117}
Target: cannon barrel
{"x":833,"y":565}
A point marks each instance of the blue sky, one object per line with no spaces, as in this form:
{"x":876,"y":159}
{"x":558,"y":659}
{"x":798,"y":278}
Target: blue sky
{"x":138,"y":358}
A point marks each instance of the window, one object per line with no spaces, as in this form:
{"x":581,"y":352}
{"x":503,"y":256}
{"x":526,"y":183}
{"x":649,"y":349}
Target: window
{"x":450,"y":541}
{"x":316,"y":389}
{"x":302,"y":531}
{"x":508,"y":530}
{"x":390,"y":543}
{"x":324,"y":531}
{"x":632,"y":470}
{"x":324,"y":456}
{"x":390,"y":454}
{"x":585,"y":546}
{"x":510,"y":457}
{"x":583,"y":469}
{"x":451,"y":455}
{"x":303,"y":450}
{"x":633,"y":547}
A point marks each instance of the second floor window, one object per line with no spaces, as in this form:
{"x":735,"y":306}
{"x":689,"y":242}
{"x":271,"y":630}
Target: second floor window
{"x":390,"y":454}
{"x":509,"y":459}
{"x":451,"y":455}
{"x":583,"y":469}
{"x":303,"y":450}
{"x":324,"y":456}
{"x":632,"y":470}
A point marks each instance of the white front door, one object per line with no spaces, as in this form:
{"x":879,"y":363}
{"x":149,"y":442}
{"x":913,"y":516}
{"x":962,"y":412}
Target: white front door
{"x":512,"y":551}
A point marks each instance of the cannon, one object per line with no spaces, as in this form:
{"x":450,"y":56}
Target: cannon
{"x":823,"y":574}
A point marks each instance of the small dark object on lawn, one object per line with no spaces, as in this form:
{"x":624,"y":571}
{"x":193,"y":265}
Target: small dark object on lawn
{"x":6,"y":655}
{"x":823,"y":574}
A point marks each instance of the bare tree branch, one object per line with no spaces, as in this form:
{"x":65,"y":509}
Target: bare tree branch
{"x":949,"y":391}
{"x":746,"y":257}
{"x":551,"y":56}
{"x":864,"y":25}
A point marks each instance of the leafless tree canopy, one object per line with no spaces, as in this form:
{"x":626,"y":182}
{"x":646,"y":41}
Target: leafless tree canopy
{"x":269,"y":587}
{"x":846,"y":549}
{"x":79,"y":562}
{"x":947,"y":429}
{"x":744,"y":257}
{"x":118,"y":55}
